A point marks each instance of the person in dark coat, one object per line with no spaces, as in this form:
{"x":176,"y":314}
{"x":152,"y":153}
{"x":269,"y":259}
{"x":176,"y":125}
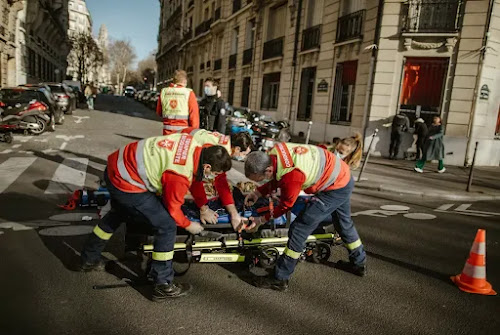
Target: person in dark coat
{"x":433,"y":147}
{"x":400,"y":125}
{"x":421,"y":131}
{"x":213,"y":107}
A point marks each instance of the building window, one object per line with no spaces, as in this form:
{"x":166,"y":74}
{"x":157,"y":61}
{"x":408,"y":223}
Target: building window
{"x":314,"y":14}
{"x":306,"y":93}
{"x":277,"y":23}
{"x":352,"y":6}
{"x":245,"y":93}
{"x":343,"y":92}
{"x":270,"y":91}
{"x":422,"y":87}
{"x":230,"y":93}
{"x":235,"y":40}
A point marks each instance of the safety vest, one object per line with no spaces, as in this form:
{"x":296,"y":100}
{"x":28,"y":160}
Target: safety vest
{"x":310,"y":160}
{"x":175,"y":106}
{"x":207,"y":138}
{"x":155,"y":155}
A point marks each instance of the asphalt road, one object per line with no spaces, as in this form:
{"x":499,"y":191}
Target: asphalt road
{"x":412,"y":251}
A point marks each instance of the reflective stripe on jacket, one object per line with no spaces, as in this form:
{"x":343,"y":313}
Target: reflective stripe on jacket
{"x":321,"y":167}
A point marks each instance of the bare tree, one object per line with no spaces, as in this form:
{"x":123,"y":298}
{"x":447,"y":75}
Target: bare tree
{"x":121,"y":55}
{"x":85,"y":55}
{"x":147,"y":69}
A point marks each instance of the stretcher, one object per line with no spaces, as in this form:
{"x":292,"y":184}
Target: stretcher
{"x":220,"y":244}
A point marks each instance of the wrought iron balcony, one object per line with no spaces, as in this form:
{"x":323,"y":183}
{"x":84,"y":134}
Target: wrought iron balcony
{"x":203,"y":27}
{"x":217,"y":64}
{"x":247,"y":56}
{"x":350,"y":26}
{"x":432,"y":16}
{"x":311,"y":38}
{"x":217,"y":15}
{"x":273,"y":48}
{"x":232,"y":61}
{"x":236,"y":5}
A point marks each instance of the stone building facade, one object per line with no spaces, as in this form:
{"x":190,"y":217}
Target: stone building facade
{"x":8,"y":46}
{"x":348,"y":65}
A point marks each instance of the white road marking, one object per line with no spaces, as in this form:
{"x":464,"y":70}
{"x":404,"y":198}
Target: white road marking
{"x":63,"y":146}
{"x":49,"y":151}
{"x":26,"y":152}
{"x":463,"y":209}
{"x":14,"y":226}
{"x":15,"y":146}
{"x":112,"y":257}
{"x":6,"y":151}
{"x":444,"y":207}
{"x":72,"y":249}
{"x":73,"y":217}
{"x":394,"y":208}
{"x":12,"y":168}
{"x":419,"y":216}
{"x":69,"y":175}
{"x":69,"y":138}
{"x":22,"y":139}
{"x":66,"y":231}
{"x":80,"y":118}
{"x":42,"y":140}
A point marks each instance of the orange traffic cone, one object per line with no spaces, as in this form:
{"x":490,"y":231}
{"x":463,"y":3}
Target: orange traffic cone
{"x":473,"y":277}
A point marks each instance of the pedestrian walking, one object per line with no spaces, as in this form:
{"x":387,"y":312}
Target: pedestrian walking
{"x":433,"y":147}
{"x":421,"y":131}
{"x":292,"y":168}
{"x":400,"y":125}
{"x":213,"y":108}
{"x":177,"y":105}
{"x":89,"y":95}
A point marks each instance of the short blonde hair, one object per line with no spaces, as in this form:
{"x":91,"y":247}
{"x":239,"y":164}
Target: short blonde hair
{"x":180,"y":76}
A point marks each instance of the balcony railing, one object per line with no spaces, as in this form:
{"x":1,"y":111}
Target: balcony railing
{"x":209,"y":64}
{"x":187,"y":36}
{"x":432,"y":16}
{"x":247,"y":56}
{"x":236,"y":5}
{"x":218,"y":15}
{"x":189,"y":69}
{"x":203,"y":27}
{"x":273,"y":48}
{"x":232,"y":61}
{"x":217,"y":64}
{"x":202,"y":66}
{"x":311,"y":38}
{"x":350,"y":26}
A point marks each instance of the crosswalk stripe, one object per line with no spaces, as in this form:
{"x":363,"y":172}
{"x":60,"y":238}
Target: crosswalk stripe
{"x":70,"y":175}
{"x":12,"y":168}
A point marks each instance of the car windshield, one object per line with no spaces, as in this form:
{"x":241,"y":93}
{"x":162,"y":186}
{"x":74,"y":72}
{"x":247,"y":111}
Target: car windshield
{"x":18,"y":95}
{"x":56,"y":89}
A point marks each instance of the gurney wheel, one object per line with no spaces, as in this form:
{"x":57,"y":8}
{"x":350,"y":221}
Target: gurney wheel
{"x":268,"y":257}
{"x":321,"y":252}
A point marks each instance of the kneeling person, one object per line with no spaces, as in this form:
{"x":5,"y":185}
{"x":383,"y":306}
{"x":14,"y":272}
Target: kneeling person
{"x":296,"y":167}
{"x":135,"y":174}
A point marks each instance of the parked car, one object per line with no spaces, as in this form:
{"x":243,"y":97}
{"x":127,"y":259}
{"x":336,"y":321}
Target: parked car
{"x":153,"y":100}
{"x":32,"y":107}
{"x":64,"y":96}
{"x":55,"y":113}
{"x":141,"y":94}
{"x":129,"y":92}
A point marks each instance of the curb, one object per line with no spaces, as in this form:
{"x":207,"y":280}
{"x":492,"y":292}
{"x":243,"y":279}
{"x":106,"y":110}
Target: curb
{"x":432,"y":195}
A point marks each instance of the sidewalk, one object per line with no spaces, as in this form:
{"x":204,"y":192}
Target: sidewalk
{"x":398,"y":177}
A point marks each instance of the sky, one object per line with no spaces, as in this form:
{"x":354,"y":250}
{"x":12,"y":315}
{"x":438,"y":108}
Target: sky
{"x":135,"y":20}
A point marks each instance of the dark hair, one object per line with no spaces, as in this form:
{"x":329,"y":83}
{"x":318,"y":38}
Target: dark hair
{"x":213,"y":81}
{"x":218,"y":157}
{"x":242,"y":140}
{"x":336,"y":140}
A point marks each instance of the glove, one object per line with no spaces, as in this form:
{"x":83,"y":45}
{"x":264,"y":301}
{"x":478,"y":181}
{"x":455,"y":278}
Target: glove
{"x":194,"y":228}
{"x":256,"y":223}
{"x":236,"y":221}
{"x":252,"y":198}
{"x":208,"y":216}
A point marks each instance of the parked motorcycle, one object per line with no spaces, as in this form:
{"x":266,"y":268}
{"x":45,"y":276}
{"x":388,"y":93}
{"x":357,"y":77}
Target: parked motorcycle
{"x":31,"y":119}
{"x":267,"y":132}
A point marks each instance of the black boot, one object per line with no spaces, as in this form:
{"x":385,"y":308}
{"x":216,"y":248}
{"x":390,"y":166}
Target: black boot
{"x":358,"y":270}
{"x":269,"y":282}
{"x":161,"y":292}
{"x":87,"y":266}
